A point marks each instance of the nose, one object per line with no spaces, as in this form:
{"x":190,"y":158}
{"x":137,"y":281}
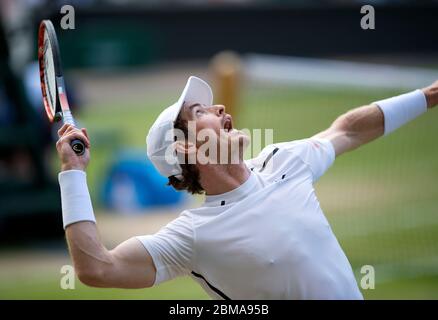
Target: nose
{"x":219,"y":109}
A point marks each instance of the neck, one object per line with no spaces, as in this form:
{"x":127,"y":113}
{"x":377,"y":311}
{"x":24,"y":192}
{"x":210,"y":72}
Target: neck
{"x":220,"y":178}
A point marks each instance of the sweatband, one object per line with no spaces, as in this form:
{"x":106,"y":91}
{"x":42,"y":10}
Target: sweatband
{"x":75,"y":198}
{"x":402,"y":109}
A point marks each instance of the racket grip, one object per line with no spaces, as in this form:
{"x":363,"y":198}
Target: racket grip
{"x":78,"y":147}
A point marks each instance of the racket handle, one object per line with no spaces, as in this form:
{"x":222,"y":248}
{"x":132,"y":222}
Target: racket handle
{"x":78,"y":147}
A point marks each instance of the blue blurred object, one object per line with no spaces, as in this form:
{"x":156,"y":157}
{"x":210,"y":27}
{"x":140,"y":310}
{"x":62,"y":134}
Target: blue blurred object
{"x":133,"y":184}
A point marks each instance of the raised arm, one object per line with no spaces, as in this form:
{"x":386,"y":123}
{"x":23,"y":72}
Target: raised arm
{"x":129,"y":265}
{"x":365,"y":124}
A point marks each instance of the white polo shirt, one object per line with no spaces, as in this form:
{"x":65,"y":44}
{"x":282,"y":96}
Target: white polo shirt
{"x":266,"y":239}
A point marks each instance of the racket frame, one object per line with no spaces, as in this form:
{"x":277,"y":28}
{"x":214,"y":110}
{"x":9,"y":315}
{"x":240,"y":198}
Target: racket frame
{"x":62,"y":108}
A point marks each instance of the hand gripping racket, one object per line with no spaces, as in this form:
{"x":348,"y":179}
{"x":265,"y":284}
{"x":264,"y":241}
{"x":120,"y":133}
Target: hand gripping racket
{"x":52,"y":81}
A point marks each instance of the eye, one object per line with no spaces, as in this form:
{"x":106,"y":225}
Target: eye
{"x":199,"y":111}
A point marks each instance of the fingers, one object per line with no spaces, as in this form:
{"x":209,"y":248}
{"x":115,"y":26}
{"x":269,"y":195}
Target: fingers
{"x":63,"y":129}
{"x":84,"y":131}
{"x":66,"y":128}
{"x":67,"y":133}
{"x":69,"y":137}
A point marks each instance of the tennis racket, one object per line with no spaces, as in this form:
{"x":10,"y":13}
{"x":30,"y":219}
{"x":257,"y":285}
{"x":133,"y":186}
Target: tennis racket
{"x":52,"y":81}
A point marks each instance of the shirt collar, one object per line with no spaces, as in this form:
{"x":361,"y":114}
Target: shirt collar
{"x":237,"y":194}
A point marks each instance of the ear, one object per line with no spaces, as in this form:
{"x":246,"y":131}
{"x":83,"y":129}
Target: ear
{"x":185,"y":147}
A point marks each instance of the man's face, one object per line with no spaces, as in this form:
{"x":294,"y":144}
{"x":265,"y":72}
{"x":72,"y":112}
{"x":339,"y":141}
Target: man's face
{"x":212,"y":122}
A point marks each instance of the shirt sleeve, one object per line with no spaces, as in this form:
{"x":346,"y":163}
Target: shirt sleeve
{"x":315,"y":155}
{"x":171,"y":248}
{"x":318,"y":154}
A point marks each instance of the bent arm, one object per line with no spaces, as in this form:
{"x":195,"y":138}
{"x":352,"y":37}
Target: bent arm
{"x":129,"y":265}
{"x":365,"y":124}
{"x":354,"y":128}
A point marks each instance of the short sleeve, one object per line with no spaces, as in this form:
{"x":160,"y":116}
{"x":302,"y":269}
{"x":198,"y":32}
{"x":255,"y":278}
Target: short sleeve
{"x":171,"y":248}
{"x":313,"y":154}
{"x":318,"y":154}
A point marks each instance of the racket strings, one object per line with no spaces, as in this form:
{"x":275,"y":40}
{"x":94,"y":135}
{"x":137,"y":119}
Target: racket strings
{"x":49,"y":74}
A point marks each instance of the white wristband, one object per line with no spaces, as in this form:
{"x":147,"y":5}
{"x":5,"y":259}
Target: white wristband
{"x":75,"y":198}
{"x":402,"y":109}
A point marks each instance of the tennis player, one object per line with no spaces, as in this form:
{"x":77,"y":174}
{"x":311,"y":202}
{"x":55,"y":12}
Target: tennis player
{"x":260,"y":234}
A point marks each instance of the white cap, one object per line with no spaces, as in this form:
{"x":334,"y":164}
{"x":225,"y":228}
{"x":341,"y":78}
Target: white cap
{"x":161,"y":134}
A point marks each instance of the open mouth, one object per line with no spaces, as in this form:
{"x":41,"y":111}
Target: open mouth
{"x":228,"y":125}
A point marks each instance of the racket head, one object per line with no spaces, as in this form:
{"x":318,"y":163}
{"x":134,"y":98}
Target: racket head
{"x":50,"y":69}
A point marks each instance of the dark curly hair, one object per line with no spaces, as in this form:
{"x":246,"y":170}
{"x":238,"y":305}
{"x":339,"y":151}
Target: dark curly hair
{"x":190,"y":172}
